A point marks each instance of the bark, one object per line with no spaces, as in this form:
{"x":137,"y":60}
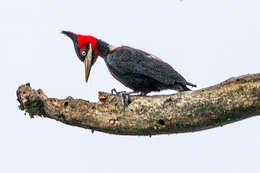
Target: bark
{"x":232,"y":100}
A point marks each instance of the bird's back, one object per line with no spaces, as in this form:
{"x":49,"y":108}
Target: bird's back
{"x":142,"y":71}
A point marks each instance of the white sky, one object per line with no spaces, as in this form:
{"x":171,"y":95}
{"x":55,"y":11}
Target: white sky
{"x":206,"y":41}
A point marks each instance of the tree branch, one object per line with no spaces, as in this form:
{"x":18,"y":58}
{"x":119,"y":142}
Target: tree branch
{"x":232,"y":100}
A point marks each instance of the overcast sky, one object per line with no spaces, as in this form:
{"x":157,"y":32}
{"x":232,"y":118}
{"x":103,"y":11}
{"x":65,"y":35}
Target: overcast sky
{"x":206,"y":41}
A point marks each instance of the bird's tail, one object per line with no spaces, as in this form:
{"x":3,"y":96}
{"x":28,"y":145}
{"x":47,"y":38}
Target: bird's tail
{"x":190,"y":84}
{"x":180,"y":87}
{"x":184,"y":88}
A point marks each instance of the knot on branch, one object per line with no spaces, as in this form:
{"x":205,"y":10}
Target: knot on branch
{"x":30,"y":100}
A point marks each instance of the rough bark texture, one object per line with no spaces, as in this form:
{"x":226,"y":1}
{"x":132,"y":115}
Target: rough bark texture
{"x":232,"y":100}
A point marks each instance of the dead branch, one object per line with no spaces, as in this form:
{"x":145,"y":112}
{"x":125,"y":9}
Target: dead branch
{"x":232,"y":100}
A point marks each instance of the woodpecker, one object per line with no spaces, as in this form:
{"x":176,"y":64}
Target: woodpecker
{"x":136,"y":69}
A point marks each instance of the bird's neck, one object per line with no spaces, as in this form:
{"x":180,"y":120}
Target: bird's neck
{"x":103,"y":48}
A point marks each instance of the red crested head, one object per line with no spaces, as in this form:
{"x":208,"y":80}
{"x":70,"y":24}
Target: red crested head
{"x":86,"y":48}
{"x":81,"y":45}
{"x":84,"y":40}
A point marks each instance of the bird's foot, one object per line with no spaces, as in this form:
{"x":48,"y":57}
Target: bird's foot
{"x":124,"y":96}
{"x":143,"y":94}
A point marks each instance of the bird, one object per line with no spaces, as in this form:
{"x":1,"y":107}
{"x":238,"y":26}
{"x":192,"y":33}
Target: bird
{"x":136,"y":69}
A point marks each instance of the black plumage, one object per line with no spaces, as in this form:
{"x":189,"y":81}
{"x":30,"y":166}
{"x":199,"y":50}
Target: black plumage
{"x":136,"y":69}
{"x":141,"y":71}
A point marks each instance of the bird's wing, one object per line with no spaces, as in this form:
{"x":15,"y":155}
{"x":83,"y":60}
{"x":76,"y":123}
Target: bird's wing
{"x":127,"y":60}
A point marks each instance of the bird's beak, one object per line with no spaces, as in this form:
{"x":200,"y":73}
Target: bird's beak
{"x":87,"y":62}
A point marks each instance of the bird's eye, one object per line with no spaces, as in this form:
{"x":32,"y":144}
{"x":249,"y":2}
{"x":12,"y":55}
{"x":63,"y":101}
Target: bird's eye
{"x":83,"y":53}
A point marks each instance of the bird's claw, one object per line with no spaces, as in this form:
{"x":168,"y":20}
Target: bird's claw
{"x":113,"y":91}
{"x":124,"y":96}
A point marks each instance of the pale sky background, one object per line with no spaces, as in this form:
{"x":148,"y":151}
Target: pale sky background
{"x":206,"y":41}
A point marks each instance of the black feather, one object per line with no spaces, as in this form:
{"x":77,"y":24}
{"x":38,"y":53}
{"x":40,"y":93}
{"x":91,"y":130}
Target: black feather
{"x":142,"y":72}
